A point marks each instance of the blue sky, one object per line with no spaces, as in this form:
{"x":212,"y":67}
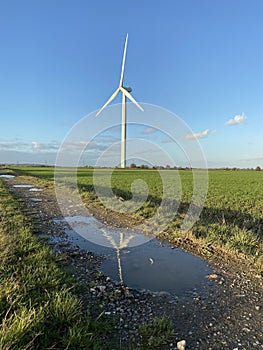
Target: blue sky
{"x":200,"y":59}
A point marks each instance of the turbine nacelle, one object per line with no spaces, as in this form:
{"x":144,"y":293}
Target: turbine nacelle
{"x":129,"y":89}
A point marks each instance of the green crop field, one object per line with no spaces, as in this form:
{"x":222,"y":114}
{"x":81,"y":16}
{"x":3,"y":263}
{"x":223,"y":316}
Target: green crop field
{"x":232,"y":216}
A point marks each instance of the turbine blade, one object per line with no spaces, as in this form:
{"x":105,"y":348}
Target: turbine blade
{"x":127,"y":94}
{"x":108,"y":101}
{"x":123,"y":61}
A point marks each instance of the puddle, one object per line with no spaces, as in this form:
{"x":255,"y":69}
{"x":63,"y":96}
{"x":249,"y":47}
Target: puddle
{"x":7,"y":176}
{"x":31,"y":188}
{"x":34,"y":189}
{"x":96,"y":232}
{"x":153,"y":266}
{"x":33,"y":199}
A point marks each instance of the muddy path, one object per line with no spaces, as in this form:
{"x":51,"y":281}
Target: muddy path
{"x":226,"y":313}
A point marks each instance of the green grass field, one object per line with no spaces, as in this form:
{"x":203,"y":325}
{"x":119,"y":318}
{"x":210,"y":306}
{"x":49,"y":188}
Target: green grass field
{"x":232,"y":217}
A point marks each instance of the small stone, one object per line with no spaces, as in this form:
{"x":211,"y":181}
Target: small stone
{"x":181,"y":345}
{"x":101,"y":288}
{"x":245,"y":329}
{"x":212,"y":276}
{"x":257,"y":308}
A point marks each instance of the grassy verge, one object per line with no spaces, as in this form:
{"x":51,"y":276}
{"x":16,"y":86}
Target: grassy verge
{"x":37,"y":308}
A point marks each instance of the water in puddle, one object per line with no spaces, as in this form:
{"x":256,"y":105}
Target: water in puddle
{"x":151,"y":265}
{"x":34,"y":189}
{"x":7,"y":176}
{"x":33,"y":199}
{"x":22,"y":186}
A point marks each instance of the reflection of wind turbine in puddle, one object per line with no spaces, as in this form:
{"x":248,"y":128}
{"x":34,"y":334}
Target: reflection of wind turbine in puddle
{"x":123,"y":243}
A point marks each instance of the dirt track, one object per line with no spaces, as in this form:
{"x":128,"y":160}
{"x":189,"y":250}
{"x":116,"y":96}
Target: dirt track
{"x":228,"y":314}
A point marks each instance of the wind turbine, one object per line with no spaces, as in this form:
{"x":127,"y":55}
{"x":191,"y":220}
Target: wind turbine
{"x":125,"y":94}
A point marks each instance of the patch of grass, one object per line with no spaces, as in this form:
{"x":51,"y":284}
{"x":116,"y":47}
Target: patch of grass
{"x":37,"y":309}
{"x":156,"y":334}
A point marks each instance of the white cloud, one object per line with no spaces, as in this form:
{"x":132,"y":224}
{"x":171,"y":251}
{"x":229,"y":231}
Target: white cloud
{"x":239,"y":118}
{"x":149,"y":131}
{"x":13,"y":145}
{"x":98,"y":144}
{"x":199,"y":135}
{"x":52,"y":146}
{"x":35,"y":145}
{"x":23,"y":146}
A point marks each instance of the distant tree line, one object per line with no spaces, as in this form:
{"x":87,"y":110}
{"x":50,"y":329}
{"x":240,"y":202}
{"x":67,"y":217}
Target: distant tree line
{"x":159,"y":167}
{"x":258,"y":168}
{"x":168,"y":167}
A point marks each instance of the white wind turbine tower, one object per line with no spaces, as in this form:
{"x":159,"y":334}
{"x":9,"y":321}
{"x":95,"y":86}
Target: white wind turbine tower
{"x":125,"y":94}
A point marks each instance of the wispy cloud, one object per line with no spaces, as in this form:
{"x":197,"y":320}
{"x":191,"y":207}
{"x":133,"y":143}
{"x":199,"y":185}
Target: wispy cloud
{"x":199,"y":135}
{"x":14,"y":145}
{"x":50,"y":146}
{"x":238,"y":119}
{"x":148,"y":131}
{"x":168,"y":140}
{"x":73,"y":145}
{"x":98,"y":144}
{"x":34,"y":146}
